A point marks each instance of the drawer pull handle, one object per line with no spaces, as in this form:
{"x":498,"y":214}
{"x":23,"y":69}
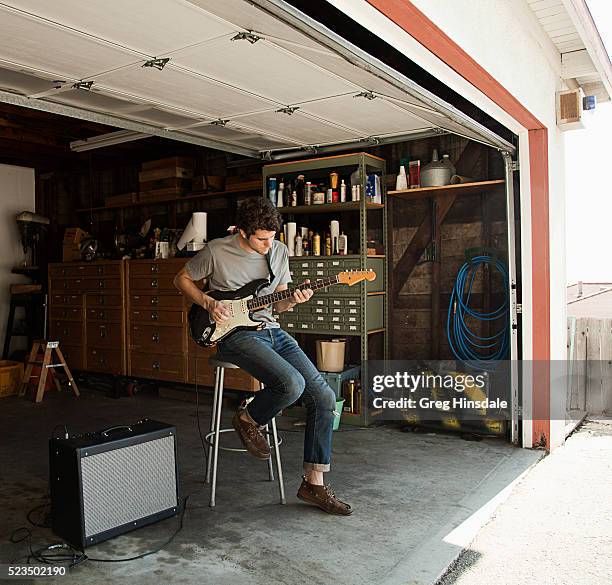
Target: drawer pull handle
{"x":154,"y":316}
{"x":65,"y":331}
{"x":154,"y":300}
{"x":154,"y":268}
{"x":65,"y":284}
{"x":156,"y":365}
{"x":155,"y":337}
{"x":100,"y":270}
{"x":154,"y":283}
{"x":101,"y":300}
{"x":101,"y":284}
{"x":102,"y":332}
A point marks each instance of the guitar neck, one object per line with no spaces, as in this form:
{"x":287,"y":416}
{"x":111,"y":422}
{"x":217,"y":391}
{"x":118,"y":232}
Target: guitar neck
{"x":265,"y":300}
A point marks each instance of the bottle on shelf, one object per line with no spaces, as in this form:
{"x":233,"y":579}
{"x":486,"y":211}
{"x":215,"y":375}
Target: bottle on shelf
{"x":298,"y":244}
{"x":333,"y":183}
{"x":342,"y":192}
{"x":299,"y":189}
{"x":294,"y":198}
{"x":279,"y":197}
{"x":308,"y":193}
{"x":316,"y":245}
{"x":328,"y":244}
{"x":272,"y":189}
{"x":342,"y":245}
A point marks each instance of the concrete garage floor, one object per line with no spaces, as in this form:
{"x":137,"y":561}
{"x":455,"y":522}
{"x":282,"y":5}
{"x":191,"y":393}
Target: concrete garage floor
{"x":419,"y":499}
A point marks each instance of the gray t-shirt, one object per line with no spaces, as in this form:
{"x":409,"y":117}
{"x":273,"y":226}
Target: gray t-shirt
{"x":227,"y":267}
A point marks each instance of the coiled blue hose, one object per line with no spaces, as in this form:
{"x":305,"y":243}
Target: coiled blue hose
{"x":465,"y":344}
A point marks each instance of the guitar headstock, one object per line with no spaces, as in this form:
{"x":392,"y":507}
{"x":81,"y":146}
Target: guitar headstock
{"x":352,"y":277}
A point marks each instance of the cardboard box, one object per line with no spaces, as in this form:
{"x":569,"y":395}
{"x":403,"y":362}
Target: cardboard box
{"x":71,"y":250}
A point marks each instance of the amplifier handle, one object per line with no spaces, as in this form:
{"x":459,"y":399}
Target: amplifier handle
{"x":110,"y":429}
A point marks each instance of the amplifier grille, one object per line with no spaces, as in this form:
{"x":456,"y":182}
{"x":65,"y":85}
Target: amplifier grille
{"x":127,"y":484}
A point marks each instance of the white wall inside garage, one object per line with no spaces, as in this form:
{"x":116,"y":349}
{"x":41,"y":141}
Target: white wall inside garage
{"x":16,"y":194}
{"x":504,"y":37}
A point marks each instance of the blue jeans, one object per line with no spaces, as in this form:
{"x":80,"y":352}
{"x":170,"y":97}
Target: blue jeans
{"x":274,"y":358}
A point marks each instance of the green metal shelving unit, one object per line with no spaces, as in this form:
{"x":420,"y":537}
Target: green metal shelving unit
{"x":359,"y":310}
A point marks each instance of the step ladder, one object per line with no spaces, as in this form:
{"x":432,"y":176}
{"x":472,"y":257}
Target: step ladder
{"x":48,"y":347}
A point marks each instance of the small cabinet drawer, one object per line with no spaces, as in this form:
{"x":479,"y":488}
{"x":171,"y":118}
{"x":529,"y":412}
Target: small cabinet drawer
{"x":154,"y":282}
{"x":104,"y":360}
{"x":66,"y":313}
{"x":103,"y":269}
{"x":67,"y":300}
{"x":60,"y":270}
{"x":103,"y":300}
{"x":102,"y":284}
{"x":157,"y":366}
{"x":165,"y":301}
{"x":59,"y":285}
{"x":103,"y":314}
{"x":154,"y":315}
{"x":73,"y":354}
{"x":152,"y":338}
{"x":107,"y":335}
{"x":151,"y":267}
{"x":66,"y":332}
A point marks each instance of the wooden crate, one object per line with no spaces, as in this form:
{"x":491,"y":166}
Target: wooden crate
{"x":123,"y":199}
{"x":179,"y":185}
{"x":11,"y":376}
{"x":180,"y":162}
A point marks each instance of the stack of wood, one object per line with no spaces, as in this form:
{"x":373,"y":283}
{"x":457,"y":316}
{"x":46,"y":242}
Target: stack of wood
{"x":166,"y":178}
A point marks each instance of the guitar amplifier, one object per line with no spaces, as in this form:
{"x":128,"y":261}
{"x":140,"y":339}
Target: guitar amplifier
{"x":109,"y":482}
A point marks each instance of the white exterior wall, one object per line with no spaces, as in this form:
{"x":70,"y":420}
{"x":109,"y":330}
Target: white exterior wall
{"x":505,"y":38}
{"x":17,"y":194}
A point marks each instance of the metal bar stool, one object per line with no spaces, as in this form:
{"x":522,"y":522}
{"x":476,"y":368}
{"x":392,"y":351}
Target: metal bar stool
{"x":214,"y":436}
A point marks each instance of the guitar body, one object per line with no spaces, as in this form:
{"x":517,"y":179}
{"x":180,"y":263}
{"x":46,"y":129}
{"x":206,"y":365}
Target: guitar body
{"x":203,"y":329}
{"x":243,"y":302}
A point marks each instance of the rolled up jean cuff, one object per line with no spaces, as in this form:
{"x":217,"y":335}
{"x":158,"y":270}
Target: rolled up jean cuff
{"x":316,"y":466}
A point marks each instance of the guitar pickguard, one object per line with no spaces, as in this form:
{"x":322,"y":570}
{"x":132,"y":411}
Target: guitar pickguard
{"x":239,"y":319}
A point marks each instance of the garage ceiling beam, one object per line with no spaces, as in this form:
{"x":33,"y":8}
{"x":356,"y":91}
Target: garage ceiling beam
{"x":117,"y":122}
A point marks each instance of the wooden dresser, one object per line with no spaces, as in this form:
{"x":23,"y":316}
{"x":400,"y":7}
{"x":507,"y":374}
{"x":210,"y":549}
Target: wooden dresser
{"x":87,"y":315}
{"x":127,"y":318}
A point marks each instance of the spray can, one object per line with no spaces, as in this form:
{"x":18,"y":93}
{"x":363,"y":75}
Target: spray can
{"x":316,"y":245}
{"x":342,"y":192}
{"x":272,"y":189}
{"x":308,"y":193}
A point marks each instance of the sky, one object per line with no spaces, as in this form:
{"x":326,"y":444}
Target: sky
{"x":588,"y":156}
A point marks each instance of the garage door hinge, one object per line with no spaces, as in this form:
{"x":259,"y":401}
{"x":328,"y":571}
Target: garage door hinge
{"x":514,"y":165}
{"x":519,"y":308}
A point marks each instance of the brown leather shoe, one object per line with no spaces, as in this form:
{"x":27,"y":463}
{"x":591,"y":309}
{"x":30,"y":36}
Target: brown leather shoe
{"x":251,"y":436}
{"x":323,"y":497}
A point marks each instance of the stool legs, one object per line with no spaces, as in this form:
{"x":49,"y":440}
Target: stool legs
{"x":279,"y":466}
{"x":216,"y":437}
{"x":212,"y":430}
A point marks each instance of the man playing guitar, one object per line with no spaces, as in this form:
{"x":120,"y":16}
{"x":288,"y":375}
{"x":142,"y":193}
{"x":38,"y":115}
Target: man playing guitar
{"x":270,"y":354}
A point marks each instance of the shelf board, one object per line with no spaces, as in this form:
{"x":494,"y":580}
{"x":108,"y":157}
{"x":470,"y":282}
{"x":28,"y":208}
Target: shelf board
{"x":329,"y":207}
{"x":461,"y":189}
{"x":189,"y":197}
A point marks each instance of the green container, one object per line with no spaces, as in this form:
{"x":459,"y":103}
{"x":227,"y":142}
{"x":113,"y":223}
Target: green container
{"x":338,"y":413}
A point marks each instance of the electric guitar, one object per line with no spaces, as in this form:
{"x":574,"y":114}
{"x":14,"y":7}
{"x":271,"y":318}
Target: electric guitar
{"x":243,"y":302}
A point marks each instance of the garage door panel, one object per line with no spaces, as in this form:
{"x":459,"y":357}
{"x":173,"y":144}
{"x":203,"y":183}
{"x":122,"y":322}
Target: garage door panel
{"x":369,"y":117}
{"x":272,"y":72}
{"x":170,"y":24}
{"x":177,"y":88}
{"x":42,"y":47}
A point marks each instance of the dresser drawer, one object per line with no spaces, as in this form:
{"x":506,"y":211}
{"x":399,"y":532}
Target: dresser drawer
{"x":104,"y":360}
{"x":158,"y":366}
{"x":157,"y":339}
{"x":66,"y":300}
{"x":103,"y":300}
{"x":63,"y":285}
{"x":165,"y":301}
{"x":154,"y":315}
{"x":154,"y":282}
{"x":66,"y":332}
{"x":153,"y":267}
{"x":107,"y":335}
{"x":103,"y":269}
{"x":65,"y":313}
{"x":102,"y":284}
{"x":67,"y":269}
{"x":73,"y":354}
{"x":104,"y":314}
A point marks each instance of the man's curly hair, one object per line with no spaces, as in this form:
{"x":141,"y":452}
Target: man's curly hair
{"x":258,"y":213}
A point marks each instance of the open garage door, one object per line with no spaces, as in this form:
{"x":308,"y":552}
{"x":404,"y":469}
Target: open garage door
{"x":259,"y":79}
